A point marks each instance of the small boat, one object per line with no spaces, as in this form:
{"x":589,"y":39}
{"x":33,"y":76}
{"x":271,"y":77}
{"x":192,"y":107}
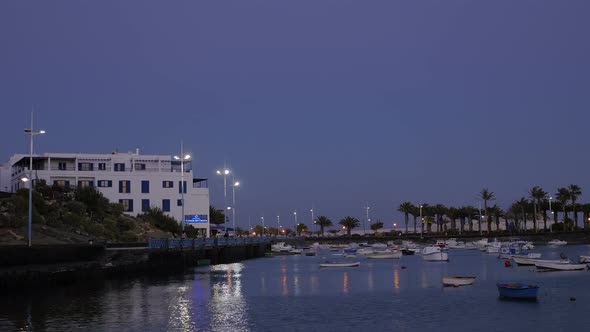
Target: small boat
{"x":408,"y":251}
{"x":330,"y":264}
{"x":556,"y":243}
{"x":385,"y":255}
{"x":457,"y":281}
{"x":434,"y":254}
{"x":584,"y":259}
{"x":548,"y":266}
{"x":518,"y":291}
{"x":532,"y":261}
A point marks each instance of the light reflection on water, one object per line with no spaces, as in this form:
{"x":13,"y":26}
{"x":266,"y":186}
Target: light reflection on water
{"x":294,"y":293}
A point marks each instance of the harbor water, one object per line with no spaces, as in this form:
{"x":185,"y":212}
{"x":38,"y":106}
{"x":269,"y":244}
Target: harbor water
{"x":292,"y":293}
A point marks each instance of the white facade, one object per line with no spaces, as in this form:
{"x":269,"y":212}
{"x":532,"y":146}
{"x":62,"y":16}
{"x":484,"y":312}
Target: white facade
{"x":134,"y":180}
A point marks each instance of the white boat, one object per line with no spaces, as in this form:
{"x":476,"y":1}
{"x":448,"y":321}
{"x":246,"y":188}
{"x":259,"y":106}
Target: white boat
{"x":584,"y":259}
{"x":457,"y":281}
{"x":379,"y":245}
{"x":434,"y":254}
{"x":531,"y":255}
{"x":556,"y":243}
{"x":385,"y":255}
{"x":548,"y":266}
{"x":281,"y":247}
{"x":532,"y":261}
{"x":352,"y":264}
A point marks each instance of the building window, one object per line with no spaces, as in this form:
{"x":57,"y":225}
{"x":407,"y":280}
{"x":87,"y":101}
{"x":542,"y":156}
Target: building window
{"x":145,"y":205}
{"x":167,"y":184}
{"x":85,"y":183}
{"x":183,"y":186}
{"x":61,"y":183}
{"x":85,"y":166}
{"x":102,"y":166}
{"x":105,"y":183}
{"x":125,"y":186}
{"x":179,"y":202}
{"x":140,"y":167}
{"x":166,"y":205}
{"x":145,"y":187}
{"x":61,"y":166}
{"x":127,"y":204}
{"x":119,"y":167}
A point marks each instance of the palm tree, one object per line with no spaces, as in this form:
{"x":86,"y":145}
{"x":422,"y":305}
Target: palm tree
{"x":406,"y":208}
{"x":563,"y":195}
{"x":586,"y":210}
{"x":216,"y":216}
{"x":522,"y":204}
{"x":440,"y":210}
{"x":469,"y":212}
{"x":537,"y":195}
{"x":453,"y":214}
{"x":323,"y":221}
{"x":415,"y":213}
{"x":575,"y":193}
{"x":497,"y":212}
{"x":301,"y":228}
{"x":349,"y":223}
{"x":425,"y":210}
{"x":486,"y":196}
{"x":376,"y":226}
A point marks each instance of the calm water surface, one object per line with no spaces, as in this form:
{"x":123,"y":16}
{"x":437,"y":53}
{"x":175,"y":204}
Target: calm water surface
{"x":291,"y":293}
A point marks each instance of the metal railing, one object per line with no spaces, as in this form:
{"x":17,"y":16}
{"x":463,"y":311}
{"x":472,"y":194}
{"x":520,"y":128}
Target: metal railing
{"x":203,"y":243}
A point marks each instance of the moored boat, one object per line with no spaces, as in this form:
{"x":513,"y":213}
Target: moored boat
{"x":434,"y":254}
{"x":457,"y":281}
{"x":531,"y":261}
{"x":556,"y":243}
{"x":518,"y":291}
{"x":385,"y":255}
{"x":584,"y":259}
{"x":334,"y":264}
{"x":548,"y":266}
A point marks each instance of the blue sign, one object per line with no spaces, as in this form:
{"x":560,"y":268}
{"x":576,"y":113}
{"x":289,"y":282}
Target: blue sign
{"x":196,"y":219}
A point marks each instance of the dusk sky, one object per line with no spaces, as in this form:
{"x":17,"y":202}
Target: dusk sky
{"x":330,"y":104}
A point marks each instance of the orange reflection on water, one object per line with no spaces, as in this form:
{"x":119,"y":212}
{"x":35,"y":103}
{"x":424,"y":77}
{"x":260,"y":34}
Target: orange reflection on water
{"x":284,"y":279}
{"x":345,"y":284}
{"x":395,"y":278}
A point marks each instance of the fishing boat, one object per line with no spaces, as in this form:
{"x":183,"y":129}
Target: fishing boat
{"x":457,"y":281}
{"x":385,"y":255}
{"x":334,"y":264}
{"x":518,"y":291}
{"x":556,"y":243}
{"x":435,"y":254}
{"x":532,"y":261}
{"x":548,"y":266}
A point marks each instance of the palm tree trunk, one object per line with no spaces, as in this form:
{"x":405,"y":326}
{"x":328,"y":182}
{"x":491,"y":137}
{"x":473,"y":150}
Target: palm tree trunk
{"x":415,"y":218}
{"x":406,"y":221}
{"x":535,"y":215}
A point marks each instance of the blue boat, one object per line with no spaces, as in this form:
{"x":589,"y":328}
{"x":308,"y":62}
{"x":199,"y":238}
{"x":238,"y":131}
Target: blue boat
{"x":518,"y":291}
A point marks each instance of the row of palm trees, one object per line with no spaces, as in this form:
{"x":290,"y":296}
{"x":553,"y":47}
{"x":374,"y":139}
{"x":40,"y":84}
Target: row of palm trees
{"x":539,"y":205}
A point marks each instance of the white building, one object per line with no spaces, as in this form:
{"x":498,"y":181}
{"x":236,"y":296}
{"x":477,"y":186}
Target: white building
{"x":136,"y":181}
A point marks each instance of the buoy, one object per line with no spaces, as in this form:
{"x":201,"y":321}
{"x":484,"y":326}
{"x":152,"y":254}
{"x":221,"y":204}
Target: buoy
{"x":507,"y":264}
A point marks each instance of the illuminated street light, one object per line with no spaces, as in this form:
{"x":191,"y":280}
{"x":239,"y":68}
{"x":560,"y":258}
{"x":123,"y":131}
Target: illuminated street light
{"x":31,"y":133}
{"x":182,"y":188}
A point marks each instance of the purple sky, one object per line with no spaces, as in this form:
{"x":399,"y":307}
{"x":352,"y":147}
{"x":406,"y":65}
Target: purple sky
{"x":323,"y":103}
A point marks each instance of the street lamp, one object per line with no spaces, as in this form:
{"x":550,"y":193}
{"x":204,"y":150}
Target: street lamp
{"x":295,"y":216}
{"x":182,"y":188}
{"x":278,"y":224}
{"x":31,"y":133}
{"x":312,"y":222}
{"x":422,"y":223}
{"x":233,"y":210}
{"x":224,"y":172}
{"x":367,"y":219}
{"x":262,"y":218}
{"x":551,"y":211}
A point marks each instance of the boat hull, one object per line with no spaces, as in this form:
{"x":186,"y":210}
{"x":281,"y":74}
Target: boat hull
{"x":544,"y":266}
{"x":354,"y":264}
{"x":393,"y":255}
{"x":436,"y":257}
{"x":518,"y":291}
{"x":457,"y":281}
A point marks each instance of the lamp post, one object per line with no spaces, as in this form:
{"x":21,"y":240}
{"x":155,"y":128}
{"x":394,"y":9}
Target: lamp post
{"x":233,"y":210}
{"x":312,"y":222}
{"x":31,"y":133}
{"x":278,"y":225}
{"x":422,"y":223}
{"x":367,"y":218}
{"x":295,"y":216}
{"x":182,"y":187}
{"x":551,"y":216}
{"x":262,"y":218}
{"x":224,"y":172}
